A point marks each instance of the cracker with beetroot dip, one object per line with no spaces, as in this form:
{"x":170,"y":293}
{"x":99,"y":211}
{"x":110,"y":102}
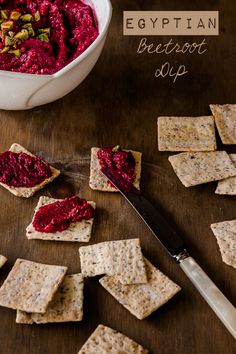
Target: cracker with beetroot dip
{"x":57,"y":226}
{"x":30,"y":286}
{"x":105,"y":340}
{"x":98,"y":181}
{"x":142,"y":299}
{"x":66,"y":305}
{"x":122,"y":258}
{"x":3,"y":260}
{"x":23,"y":173}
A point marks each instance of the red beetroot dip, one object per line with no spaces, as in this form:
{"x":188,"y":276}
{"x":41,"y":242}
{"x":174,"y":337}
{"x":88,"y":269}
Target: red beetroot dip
{"x":73,"y":28}
{"x":22,"y":170}
{"x":120,"y":165}
{"x":58,"y":216}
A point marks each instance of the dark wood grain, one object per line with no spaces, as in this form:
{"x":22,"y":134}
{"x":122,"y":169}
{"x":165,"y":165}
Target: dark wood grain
{"x":118,"y":104}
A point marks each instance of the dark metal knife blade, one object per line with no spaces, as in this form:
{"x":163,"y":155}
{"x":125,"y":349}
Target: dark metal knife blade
{"x":160,"y":228}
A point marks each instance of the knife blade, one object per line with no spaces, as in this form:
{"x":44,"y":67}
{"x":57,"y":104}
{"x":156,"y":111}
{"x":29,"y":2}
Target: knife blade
{"x":175,"y":246}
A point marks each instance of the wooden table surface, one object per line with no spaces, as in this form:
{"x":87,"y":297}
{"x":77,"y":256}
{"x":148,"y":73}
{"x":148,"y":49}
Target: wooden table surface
{"x":118,"y":104}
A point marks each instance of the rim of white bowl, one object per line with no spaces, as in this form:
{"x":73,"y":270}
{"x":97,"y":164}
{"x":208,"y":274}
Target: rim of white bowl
{"x":76,"y":61}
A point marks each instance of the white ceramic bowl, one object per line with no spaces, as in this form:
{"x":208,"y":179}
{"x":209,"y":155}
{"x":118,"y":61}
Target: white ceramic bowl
{"x":20,"y":91}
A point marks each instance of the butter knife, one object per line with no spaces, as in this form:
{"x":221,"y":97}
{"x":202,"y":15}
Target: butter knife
{"x":174,"y":245}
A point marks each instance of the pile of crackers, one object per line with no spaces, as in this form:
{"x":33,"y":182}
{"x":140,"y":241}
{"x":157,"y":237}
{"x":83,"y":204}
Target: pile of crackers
{"x":199,"y":162}
{"x":130,"y":278}
{"x":42,"y":293}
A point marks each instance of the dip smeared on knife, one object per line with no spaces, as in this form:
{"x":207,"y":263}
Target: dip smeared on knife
{"x":22,"y":170}
{"x":58,"y":216}
{"x":43,"y":36}
{"x":120,"y":164}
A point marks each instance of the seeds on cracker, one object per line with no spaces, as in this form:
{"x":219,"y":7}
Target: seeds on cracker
{"x":77,"y":231}
{"x":105,"y":340}
{"x":142,"y":299}
{"x":225,"y":233}
{"x":9,"y":174}
{"x":2,"y":261}
{"x":122,"y":258}
{"x":30,"y":286}
{"x":225,"y":118}
{"x":66,"y":305}
{"x":195,"y":168}
{"x":186,"y":133}
{"x":228,"y":185}
{"x":98,"y":181}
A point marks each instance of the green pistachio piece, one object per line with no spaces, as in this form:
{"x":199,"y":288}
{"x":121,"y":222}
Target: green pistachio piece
{"x":9,"y":41}
{"x":26,"y":18}
{"x":37,"y":16}
{"x":7,"y":25}
{"x":43,"y":37}
{"x":44,"y":30}
{"x":15,"y":15}
{"x":17,"y":52}
{"x":4,"y":14}
{"x":4,"y":50}
{"x":23,"y":34}
{"x":116,"y":148}
{"x":30,"y":29}
{"x":1,"y":21}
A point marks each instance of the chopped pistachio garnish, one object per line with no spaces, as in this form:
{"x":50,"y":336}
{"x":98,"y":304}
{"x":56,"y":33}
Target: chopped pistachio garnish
{"x":4,"y":50}
{"x":4,"y":14}
{"x":17,"y":52}
{"x":7,"y":25}
{"x":15,"y":15}
{"x":23,"y":34}
{"x":26,"y":18}
{"x":9,"y":41}
{"x":29,"y":28}
{"x":44,"y":30}
{"x":43,"y":37}
{"x":116,"y":148}
{"x":37,"y":16}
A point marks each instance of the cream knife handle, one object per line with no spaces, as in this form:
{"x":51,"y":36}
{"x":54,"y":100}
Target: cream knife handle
{"x":209,"y":291}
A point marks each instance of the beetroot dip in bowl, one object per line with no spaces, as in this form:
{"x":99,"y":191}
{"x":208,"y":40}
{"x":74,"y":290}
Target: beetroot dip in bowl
{"x":48,"y":47}
{"x":43,"y":36}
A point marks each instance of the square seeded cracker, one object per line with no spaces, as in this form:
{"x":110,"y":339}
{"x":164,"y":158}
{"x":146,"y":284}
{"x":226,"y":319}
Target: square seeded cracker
{"x":98,"y":181}
{"x":228,"y":185}
{"x":24,"y":191}
{"x":122,"y":258}
{"x":142,"y":299}
{"x":66,"y":305}
{"x":225,"y":118}
{"x":105,"y":340}
{"x":225,"y":233}
{"x":30,"y":286}
{"x":195,"y":168}
{"x":186,"y":133}
{"x":2,"y":261}
{"x":79,"y":231}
